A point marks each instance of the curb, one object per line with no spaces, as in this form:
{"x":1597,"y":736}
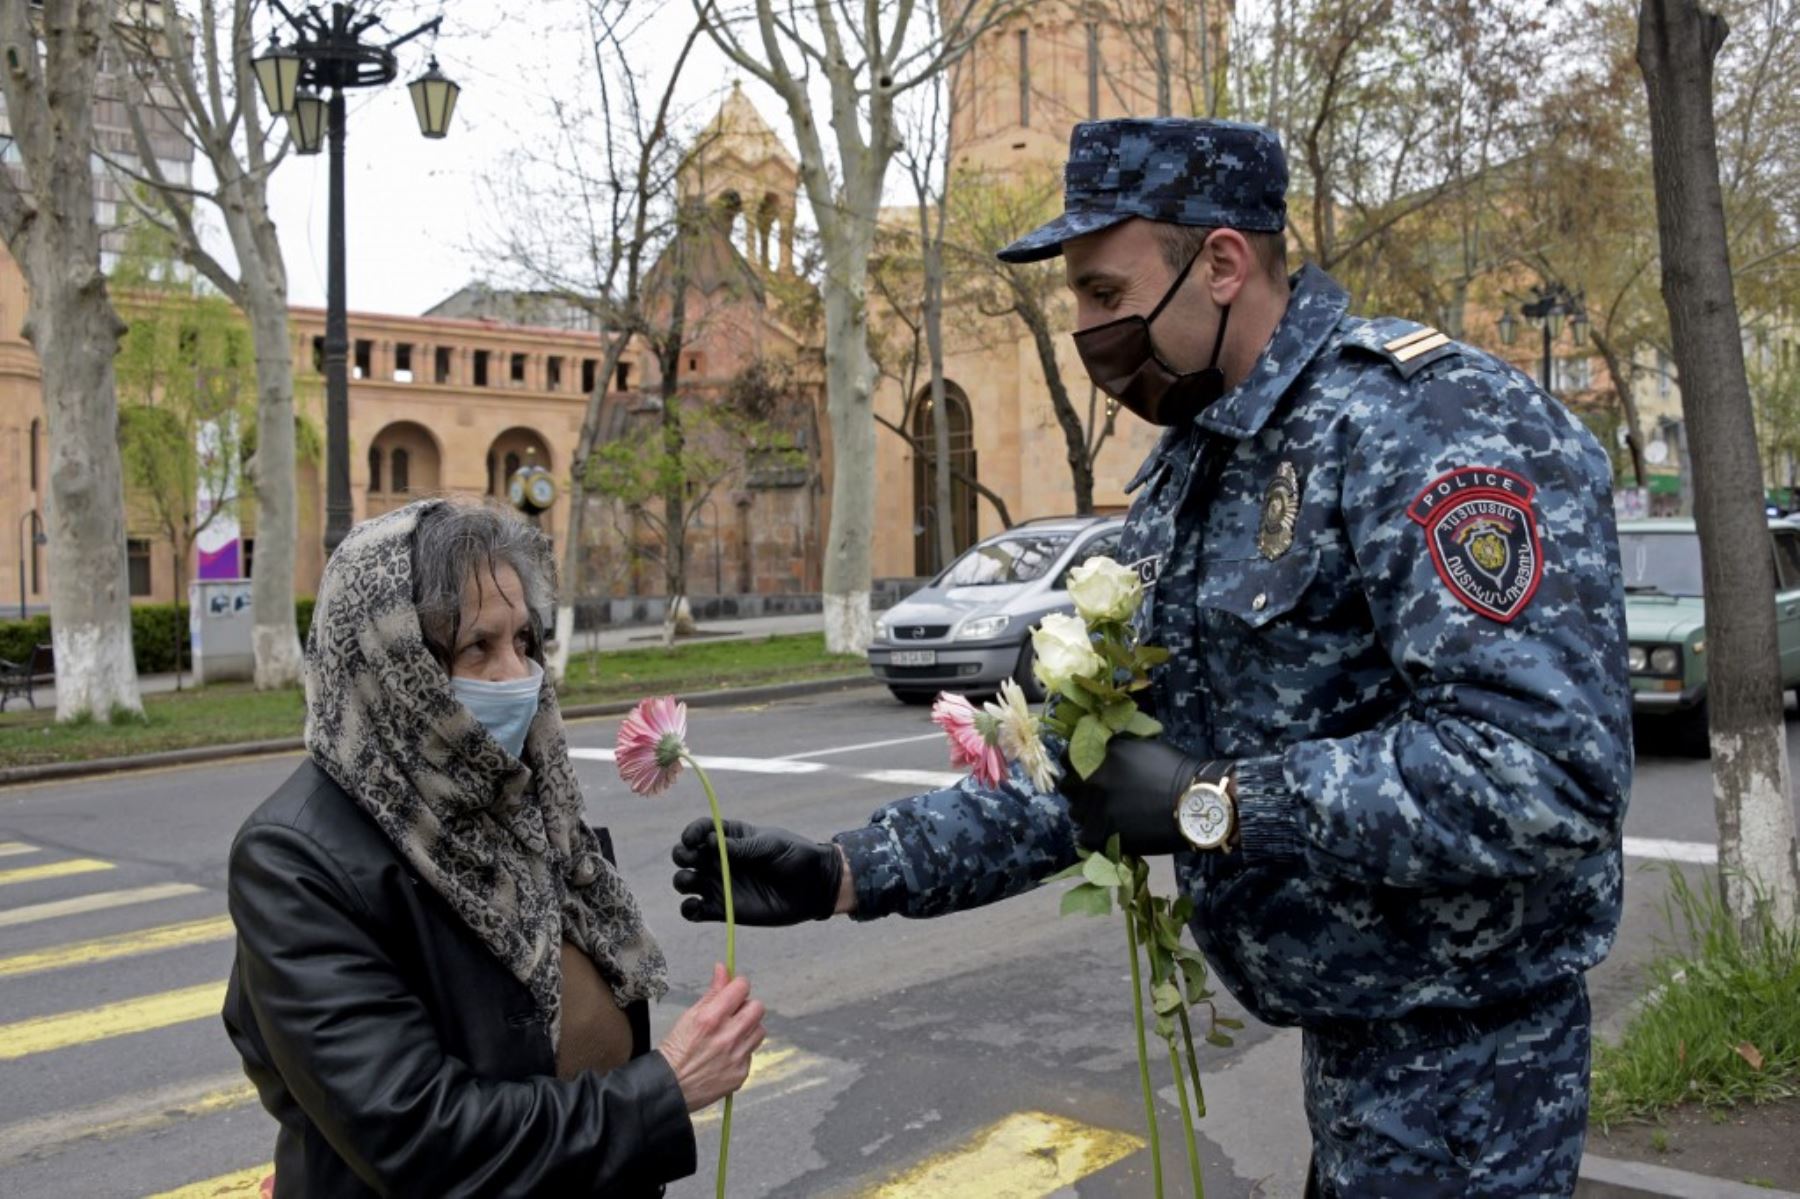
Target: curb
{"x":1606,"y":1178}
{"x":725,"y":697}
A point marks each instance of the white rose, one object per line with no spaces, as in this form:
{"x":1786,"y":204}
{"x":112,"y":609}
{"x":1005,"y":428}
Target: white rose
{"x":1061,"y":651}
{"x":1104,"y":590}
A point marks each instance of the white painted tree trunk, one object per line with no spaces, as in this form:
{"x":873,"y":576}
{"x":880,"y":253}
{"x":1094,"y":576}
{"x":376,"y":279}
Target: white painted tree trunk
{"x":849,"y":374}
{"x":48,"y":80}
{"x":1758,"y":864}
{"x":275,"y":635}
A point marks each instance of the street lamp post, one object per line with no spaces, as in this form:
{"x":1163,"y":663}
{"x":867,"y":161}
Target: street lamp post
{"x":37,"y":538}
{"x":329,"y":53}
{"x":1550,"y":305}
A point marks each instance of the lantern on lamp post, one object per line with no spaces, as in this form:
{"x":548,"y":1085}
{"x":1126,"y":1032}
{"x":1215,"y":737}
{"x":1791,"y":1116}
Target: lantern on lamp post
{"x":305,"y":82}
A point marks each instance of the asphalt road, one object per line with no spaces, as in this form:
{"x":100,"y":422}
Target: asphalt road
{"x":982,"y":1054}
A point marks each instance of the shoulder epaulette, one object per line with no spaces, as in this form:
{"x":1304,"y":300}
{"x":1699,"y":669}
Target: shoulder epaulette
{"x":1408,"y":346}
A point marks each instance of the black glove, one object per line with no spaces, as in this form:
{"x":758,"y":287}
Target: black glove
{"x":777,"y":877}
{"x":1133,"y":794}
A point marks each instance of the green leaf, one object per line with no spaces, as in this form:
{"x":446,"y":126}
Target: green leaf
{"x":1228,"y":1022}
{"x":1087,"y":749}
{"x":1165,"y":1028}
{"x":1101,"y":873}
{"x":1220,"y":1039}
{"x":1152,"y":655}
{"x":1165,"y":998}
{"x":1087,"y":900}
{"x":1113,"y":853}
{"x":1118,"y":713}
{"x":1194,"y":976}
{"x":1063,"y":875}
{"x":1072,"y":692}
{"x":1141,"y":723}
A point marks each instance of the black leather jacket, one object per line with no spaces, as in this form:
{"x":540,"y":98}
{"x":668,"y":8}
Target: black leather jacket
{"x":397,"y":1053}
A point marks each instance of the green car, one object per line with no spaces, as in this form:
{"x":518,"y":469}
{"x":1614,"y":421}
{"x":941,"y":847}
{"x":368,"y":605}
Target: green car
{"x":1665,"y":619}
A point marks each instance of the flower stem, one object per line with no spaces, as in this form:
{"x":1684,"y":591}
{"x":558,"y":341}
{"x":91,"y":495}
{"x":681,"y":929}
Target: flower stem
{"x":1187,"y":1122}
{"x":1143,"y":1052}
{"x":1193,"y":1064}
{"x":712,"y":800}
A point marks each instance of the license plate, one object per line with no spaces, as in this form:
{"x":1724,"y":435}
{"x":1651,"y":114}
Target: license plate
{"x":913,"y":657}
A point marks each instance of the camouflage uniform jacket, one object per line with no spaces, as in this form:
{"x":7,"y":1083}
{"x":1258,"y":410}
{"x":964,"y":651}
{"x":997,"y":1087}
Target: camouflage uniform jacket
{"x":1390,"y":584}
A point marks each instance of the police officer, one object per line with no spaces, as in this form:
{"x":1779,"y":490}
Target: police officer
{"x":1396,"y":746}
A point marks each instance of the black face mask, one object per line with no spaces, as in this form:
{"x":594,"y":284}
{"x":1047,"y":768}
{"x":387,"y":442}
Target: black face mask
{"x":1122,"y":361}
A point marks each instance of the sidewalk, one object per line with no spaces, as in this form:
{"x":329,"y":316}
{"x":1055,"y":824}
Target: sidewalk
{"x":598,"y":640}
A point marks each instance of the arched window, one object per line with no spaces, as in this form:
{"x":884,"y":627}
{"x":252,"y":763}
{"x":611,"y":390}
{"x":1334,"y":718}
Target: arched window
{"x":493,"y":483}
{"x":374,"y":470}
{"x":512,"y":468}
{"x":397,"y":472}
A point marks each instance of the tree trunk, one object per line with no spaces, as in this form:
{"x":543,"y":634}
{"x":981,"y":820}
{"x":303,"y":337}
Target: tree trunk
{"x":1620,"y":375}
{"x":275,"y":636}
{"x":71,"y":324}
{"x":1758,"y":866}
{"x":849,"y":375}
{"x":574,"y":557}
{"x":1081,"y":468}
{"x":673,"y":435}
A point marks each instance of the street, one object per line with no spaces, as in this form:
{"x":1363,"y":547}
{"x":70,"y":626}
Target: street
{"x":963,"y":1056}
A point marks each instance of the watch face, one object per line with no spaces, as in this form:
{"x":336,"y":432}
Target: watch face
{"x":1205,"y":816}
{"x":542,"y":490}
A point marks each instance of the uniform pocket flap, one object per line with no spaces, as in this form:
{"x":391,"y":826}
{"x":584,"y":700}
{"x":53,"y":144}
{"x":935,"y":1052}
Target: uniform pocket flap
{"x":1257,"y":590}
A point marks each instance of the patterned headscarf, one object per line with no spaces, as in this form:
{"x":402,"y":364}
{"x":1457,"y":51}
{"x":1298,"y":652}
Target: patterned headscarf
{"x":501,"y":838}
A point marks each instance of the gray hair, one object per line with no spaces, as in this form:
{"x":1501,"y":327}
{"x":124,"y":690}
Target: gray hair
{"x":456,"y":541}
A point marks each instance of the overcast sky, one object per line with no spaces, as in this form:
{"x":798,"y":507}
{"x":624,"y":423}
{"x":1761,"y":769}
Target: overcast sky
{"x":416,"y":220}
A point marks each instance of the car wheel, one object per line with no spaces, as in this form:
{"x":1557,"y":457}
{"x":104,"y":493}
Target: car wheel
{"x":1026,"y":677}
{"x":917,"y":699}
{"x":1693,"y":738}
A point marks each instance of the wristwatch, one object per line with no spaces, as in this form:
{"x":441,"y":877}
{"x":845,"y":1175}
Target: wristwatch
{"x":1205,"y":813}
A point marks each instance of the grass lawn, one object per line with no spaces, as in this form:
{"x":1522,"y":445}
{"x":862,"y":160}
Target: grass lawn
{"x":227,"y":713}
{"x":1721,"y":1028}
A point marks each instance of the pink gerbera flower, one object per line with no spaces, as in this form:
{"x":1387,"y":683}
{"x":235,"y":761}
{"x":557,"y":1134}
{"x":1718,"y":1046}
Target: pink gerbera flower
{"x":974,"y":738}
{"x":652,"y":741}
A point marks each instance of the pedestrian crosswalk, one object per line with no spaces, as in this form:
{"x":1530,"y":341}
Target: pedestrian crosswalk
{"x":93,"y":977}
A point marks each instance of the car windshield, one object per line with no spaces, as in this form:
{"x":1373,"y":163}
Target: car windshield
{"x":1668,"y":563}
{"x":1016,"y":559}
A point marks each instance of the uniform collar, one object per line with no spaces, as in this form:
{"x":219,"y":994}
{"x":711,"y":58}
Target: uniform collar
{"x":1315,"y":306}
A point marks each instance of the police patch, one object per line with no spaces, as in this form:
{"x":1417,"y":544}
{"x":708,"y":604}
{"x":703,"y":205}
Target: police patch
{"x":1482,"y":530}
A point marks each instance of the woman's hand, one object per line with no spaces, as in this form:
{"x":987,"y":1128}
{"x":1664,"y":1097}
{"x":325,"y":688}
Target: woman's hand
{"x":710,"y":1046}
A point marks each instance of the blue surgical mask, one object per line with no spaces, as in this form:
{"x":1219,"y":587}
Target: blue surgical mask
{"x":505,"y":709}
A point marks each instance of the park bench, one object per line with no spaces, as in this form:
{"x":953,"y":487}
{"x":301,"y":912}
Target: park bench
{"x":18,"y":678}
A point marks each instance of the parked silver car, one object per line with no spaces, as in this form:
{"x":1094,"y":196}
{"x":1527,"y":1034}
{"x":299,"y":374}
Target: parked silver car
{"x":970,"y":629}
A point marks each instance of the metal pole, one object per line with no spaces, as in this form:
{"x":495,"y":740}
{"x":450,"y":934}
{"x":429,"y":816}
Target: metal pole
{"x":1547,"y":351}
{"x":22,"y":521}
{"x":337,"y":347}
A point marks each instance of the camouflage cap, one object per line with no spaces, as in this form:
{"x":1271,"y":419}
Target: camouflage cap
{"x":1215,"y":174}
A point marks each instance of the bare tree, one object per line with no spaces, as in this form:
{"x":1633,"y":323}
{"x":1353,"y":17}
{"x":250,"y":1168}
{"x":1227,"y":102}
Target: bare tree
{"x":592,"y":234}
{"x":52,"y":62}
{"x":1759,"y":867}
{"x":197,"y":65}
{"x":864,"y":61}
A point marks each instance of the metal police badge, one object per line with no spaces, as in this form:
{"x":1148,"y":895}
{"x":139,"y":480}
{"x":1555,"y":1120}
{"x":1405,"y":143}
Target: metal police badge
{"x":1281,"y":509}
{"x":1482,"y":530}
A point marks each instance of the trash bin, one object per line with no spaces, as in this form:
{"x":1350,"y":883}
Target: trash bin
{"x":219,"y":624}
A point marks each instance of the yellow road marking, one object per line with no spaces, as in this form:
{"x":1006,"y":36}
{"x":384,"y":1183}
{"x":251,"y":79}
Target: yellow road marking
{"x":45,"y":1033}
{"x":241,"y":1184}
{"x":43,"y":1137}
{"x":773,"y":1067}
{"x":97,"y":902}
{"x":12,"y":849}
{"x":123,"y":945}
{"x":1028,"y":1155}
{"x":31,"y":874}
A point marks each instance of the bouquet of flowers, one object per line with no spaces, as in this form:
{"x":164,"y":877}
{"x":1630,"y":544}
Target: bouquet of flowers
{"x":1093,"y":666}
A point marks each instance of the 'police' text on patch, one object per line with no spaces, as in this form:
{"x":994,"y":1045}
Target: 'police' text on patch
{"x":1479,"y":523}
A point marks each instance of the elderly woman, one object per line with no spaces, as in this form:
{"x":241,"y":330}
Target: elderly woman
{"x":441,"y":981}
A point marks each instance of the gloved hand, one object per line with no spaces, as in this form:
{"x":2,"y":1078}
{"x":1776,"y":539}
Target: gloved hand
{"x":1133,"y":794}
{"x":777,"y":877}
